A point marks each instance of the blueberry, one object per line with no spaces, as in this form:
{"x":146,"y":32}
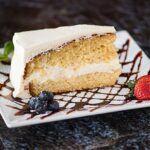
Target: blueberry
{"x":32,"y":102}
{"x":43,"y":103}
{"x":41,"y":106}
{"x":54,"y":106}
{"x":46,"y":96}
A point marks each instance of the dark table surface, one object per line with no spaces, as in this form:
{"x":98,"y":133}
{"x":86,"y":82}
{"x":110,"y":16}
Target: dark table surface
{"x":129,"y":130}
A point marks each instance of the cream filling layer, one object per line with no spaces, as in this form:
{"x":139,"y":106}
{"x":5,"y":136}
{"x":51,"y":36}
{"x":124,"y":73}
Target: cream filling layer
{"x":56,"y":73}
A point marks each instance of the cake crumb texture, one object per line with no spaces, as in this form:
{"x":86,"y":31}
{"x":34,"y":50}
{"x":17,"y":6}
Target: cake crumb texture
{"x":75,"y":54}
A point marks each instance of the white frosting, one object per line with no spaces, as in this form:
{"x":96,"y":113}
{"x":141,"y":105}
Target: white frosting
{"x":31,"y":43}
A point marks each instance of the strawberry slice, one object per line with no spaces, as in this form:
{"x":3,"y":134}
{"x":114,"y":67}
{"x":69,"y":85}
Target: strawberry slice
{"x":142,"y":88}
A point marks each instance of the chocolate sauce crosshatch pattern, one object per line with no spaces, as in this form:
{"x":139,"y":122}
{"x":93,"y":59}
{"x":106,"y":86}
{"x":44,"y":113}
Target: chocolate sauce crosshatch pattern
{"x":89,"y":100}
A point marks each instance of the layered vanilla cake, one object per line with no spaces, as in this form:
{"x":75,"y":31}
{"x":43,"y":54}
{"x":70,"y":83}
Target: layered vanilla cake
{"x":64,"y":59}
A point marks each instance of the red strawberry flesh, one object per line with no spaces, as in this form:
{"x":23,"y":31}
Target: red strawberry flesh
{"x":142,"y":88}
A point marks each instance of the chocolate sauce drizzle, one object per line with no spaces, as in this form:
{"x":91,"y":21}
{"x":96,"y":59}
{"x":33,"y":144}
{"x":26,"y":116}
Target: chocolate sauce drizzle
{"x":85,"y":97}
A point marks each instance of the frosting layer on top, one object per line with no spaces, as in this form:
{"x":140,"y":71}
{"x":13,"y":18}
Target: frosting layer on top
{"x":37,"y":41}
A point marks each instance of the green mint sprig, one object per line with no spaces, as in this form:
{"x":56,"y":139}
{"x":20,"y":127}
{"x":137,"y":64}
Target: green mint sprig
{"x":8,"y":48}
{"x":131,"y":84}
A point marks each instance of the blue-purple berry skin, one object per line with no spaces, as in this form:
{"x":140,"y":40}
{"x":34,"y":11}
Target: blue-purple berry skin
{"x":32,"y":102}
{"x":54,"y":106}
{"x":47,"y":96}
{"x":41,"y":106}
{"x":43,"y":103}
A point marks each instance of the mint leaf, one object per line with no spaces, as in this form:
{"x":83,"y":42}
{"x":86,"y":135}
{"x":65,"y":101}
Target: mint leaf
{"x":3,"y":58}
{"x":8,"y":48}
{"x":131,"y":84}
{"x":131,"y":94}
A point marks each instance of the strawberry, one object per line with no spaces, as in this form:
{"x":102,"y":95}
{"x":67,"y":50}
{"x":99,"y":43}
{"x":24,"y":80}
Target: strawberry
{"x":142,"y":88}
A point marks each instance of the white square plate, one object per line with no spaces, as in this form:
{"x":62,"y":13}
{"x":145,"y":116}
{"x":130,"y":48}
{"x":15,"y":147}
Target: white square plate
{"x":86,"y":103}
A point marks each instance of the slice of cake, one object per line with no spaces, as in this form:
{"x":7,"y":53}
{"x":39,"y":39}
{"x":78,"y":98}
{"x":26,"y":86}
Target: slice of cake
{"x":64,"y":59}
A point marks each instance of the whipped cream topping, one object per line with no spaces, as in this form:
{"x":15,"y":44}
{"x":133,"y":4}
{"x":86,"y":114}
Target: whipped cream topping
{"x":28,"y":44}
